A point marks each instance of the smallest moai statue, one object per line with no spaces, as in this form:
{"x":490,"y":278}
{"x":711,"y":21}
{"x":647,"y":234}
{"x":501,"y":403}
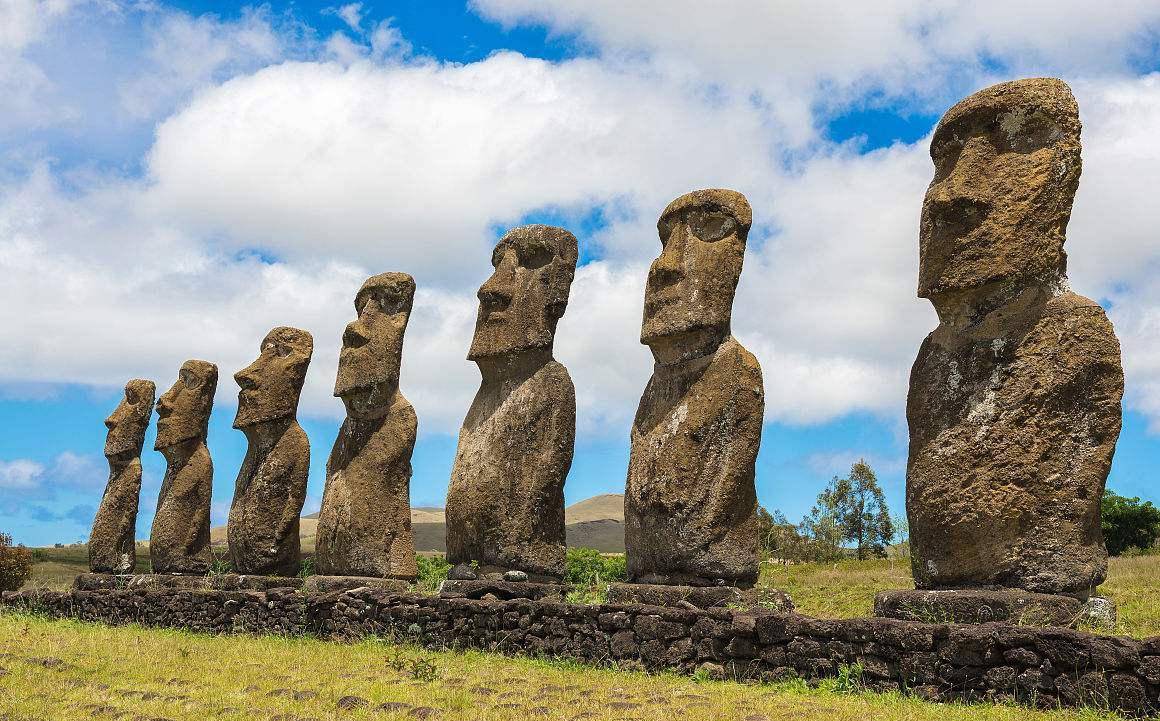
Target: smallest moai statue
{"x":179,"y":540}
{"x":271,"y":485}
{"x":112,"y":544}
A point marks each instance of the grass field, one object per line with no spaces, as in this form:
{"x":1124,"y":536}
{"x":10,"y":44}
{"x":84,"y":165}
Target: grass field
{"x":64,"y":670}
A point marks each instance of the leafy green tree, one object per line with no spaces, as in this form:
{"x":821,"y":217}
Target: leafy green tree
{"x":780,"y":539}
{"x":822,"y":528}
{"x":863,"y":513}
{"x":1128,"y":523}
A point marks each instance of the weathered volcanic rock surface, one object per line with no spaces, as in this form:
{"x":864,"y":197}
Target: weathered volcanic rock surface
{"x":1014,"y":403}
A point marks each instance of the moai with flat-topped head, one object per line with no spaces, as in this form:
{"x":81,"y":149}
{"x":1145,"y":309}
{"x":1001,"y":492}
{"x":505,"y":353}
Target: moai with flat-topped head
{"x":364,"y":527}
{"x":271,"y":485}
{"x":505,"y":503}
{"x":690,"y":505}
{"x":179,"y":540}
{"x":1014,"y":403}
{"x":112,"y":543}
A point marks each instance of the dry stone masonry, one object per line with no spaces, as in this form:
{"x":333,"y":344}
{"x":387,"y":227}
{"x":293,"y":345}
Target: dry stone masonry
{"x":179,"y":540}
{"x":271,"y":486}
{"x":1045,"y":667}
{"x":364,"y":527}
{"x":1014,"y":404}
{"x":505,"y":502}
{"x":690,"y":503}
{"x":112,"y":543}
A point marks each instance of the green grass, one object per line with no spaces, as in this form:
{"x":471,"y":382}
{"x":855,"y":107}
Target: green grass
{"x":65,"y":670}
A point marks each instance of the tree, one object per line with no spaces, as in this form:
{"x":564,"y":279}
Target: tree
{"x":822,"y":528}
{"x":15,"y":564}
{"x":1128,"y":523}
{"x":779,"y":538}
{"x":863,"y":514}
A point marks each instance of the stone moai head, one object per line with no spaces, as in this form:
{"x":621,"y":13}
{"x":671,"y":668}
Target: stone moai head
{"x":183,"y":410}
{"x":1007,"y":165}
{"x":271,"y":385}
{"x":520,"y":304}
{"x":691,"y":284}
{"x":128,"y":422}
{"x":372,"y":346}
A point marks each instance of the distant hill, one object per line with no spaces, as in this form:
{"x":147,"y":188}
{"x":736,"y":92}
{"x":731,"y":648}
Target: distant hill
{"x":596,"y":522}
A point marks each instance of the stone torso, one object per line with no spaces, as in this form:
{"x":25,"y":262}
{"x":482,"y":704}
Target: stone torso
{"x":505,"y":504}
{"x":179,"y":541}
{"x":1013,"y":423}
{"x":690,"y":501}
{"x":364,"y":527}
{"x":268,"y":498}
{"x":112,"y":547}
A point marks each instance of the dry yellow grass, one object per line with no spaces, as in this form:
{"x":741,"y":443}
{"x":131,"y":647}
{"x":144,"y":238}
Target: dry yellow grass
{"x":65,"y":670}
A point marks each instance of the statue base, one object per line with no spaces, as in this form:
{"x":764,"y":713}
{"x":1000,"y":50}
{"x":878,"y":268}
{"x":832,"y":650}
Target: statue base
{"x":503,"y":590}
{"x":699,"y":596}
{"x":980,"y":605}
{"x":338,"y":584}
{"x":217,"y":582}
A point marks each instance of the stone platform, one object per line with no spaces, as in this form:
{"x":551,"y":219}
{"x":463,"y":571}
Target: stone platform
{"x":503,"y":590}
{"x":333,"y":584}
{"x":979,"y":605}
{"x":690,"y":597}
{"x":217,"y":582}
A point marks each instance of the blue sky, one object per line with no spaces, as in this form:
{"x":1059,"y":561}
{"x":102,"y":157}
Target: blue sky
{"x":175,"y":178}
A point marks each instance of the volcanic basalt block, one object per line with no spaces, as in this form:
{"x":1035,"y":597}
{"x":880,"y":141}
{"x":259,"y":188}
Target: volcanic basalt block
{"x":112,"y":543}
{"x":340,"y":584}
{"x":504,"y":590}
{"x":505,"y":502}
{"x":216,"y":582}
{"x":690,"y":504}
{"x":974,"y":605}
{"x":179,"y":539}
{"x":364,"y":526}
{"x":698,"y":596}
{"x":1014,"y":403}
{"x":271,"y":485}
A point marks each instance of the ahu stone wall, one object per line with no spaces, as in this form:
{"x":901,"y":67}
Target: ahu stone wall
{"x":1046,"y":667}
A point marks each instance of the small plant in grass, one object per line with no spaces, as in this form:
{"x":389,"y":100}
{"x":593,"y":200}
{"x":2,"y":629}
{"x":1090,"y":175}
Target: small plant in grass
{"x":588,"y":568}
{"x":849,"y":678}
{"x":306,"y":570}
{"x":424,"y":668}
{"x":15,"y":564}
{"x":432,"y":572}
{"x":221,"y":562}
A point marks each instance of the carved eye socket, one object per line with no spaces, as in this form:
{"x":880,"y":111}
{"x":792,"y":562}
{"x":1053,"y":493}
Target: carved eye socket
{"x":281,"y":350}
{"x":711,"y":225}
{"x":132,"y":397}
{"x":534,"y":255}
{"x":945,"y":154}
{"x":189,"y":379}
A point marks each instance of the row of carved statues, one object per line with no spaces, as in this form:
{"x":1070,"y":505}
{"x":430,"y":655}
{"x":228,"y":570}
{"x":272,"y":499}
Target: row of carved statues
{"x":1013,"y":409}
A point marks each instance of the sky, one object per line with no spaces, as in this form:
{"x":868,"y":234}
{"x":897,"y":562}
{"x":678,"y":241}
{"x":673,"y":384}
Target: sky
{"x":178,"y":178}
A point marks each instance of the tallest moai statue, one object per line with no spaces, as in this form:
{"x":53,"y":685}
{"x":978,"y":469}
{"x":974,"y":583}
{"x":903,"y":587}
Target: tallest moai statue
{"x":1014,"y":404}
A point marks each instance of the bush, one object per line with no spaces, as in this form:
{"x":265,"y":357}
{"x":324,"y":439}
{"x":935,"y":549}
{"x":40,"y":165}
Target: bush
{"x":1128,"y":523}
{"x":15,"y":564}
{"x":433,"y":571}
{"x":587,"y":568}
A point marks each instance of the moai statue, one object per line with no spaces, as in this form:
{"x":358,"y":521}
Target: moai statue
{"x":1014,"y":403}
{"x":112,"y":546}
{"x":690,"y":505}
{"x":364,"y":527}
{"x":271,"y":485}
{"x":505,"y":503}
{"x":179,"y":540}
